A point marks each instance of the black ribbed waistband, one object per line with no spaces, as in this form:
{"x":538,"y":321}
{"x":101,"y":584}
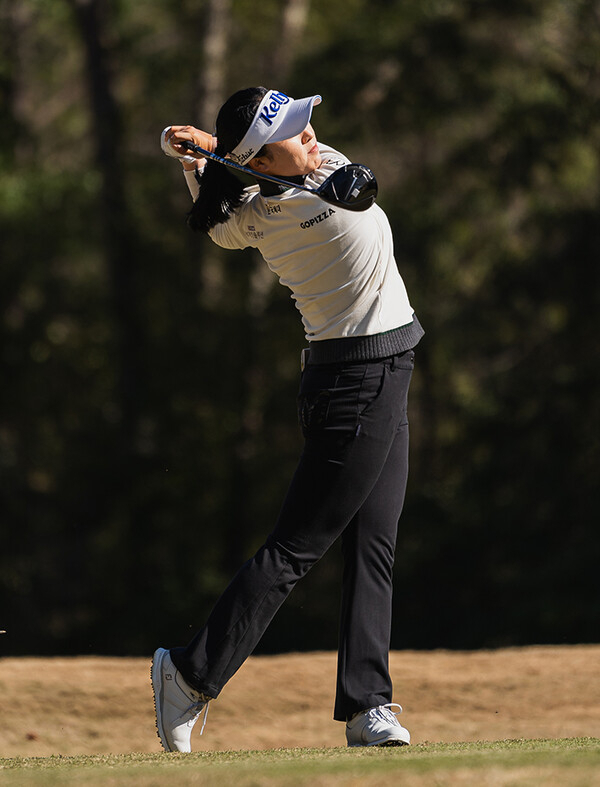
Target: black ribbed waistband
{"x":366,"y":348}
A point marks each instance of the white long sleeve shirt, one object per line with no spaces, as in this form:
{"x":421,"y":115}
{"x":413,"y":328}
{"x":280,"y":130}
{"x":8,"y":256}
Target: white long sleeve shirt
{"x":338,"y":264}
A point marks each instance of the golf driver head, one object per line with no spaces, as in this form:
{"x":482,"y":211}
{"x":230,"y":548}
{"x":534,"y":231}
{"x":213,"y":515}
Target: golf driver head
{"x":352,"y":187}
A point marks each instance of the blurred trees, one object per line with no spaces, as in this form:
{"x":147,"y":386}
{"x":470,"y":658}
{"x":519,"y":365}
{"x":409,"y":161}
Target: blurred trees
{"x":147,"y":418}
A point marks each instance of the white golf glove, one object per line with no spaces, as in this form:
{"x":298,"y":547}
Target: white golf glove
{"x":170,"y":151}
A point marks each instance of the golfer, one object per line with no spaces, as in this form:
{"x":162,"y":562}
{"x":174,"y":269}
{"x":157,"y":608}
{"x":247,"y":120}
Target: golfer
{"x":351,"y":476}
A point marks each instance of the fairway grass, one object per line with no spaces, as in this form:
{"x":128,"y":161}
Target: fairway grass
{"x":572,"y":762}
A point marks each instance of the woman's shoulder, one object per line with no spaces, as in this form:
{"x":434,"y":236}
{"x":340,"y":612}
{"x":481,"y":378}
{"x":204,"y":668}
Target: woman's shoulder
{"x":330,"y":157}
{"x":248,"y":202}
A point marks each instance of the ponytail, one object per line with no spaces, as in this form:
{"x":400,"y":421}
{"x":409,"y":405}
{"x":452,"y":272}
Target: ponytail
{"x":221,"y":192}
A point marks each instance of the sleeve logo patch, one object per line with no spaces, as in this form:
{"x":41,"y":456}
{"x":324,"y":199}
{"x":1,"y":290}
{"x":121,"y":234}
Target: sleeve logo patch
{"x":252,"y":232}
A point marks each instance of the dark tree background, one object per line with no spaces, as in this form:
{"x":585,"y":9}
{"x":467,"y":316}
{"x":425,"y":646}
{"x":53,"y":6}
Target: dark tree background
{"x":148,"y":379}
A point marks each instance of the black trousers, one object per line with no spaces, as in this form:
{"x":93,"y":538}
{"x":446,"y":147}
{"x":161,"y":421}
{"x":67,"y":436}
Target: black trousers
{"x":350,"y":482}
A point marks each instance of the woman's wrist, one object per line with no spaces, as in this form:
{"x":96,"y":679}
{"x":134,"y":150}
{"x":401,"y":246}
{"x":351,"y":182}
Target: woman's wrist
{"x":203,"y":140}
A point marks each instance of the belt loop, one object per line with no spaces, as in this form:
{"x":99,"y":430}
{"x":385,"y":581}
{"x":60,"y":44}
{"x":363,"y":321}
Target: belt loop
{"x":304,"y":356}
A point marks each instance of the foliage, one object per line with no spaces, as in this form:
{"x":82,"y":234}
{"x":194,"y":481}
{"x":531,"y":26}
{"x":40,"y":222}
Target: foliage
{"x":147,"y":427}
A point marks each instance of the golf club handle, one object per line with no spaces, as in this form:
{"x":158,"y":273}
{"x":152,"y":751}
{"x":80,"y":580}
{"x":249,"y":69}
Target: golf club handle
{"x":191,"y":146}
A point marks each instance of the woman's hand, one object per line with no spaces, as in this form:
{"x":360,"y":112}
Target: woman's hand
{"x":174,"y":135}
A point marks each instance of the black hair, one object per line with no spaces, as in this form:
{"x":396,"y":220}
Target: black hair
{"x":221,"y":192}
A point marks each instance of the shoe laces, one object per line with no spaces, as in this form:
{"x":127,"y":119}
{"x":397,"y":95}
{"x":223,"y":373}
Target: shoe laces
{"x":385,"y":712}
{"x":195,"y":709}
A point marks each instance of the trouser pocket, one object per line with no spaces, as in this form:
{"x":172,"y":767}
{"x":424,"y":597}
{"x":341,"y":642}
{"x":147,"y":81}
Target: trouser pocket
{"x":332,"y":398}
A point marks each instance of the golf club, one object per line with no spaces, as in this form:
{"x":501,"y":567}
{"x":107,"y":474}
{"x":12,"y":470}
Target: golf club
{"x":352,"y":186}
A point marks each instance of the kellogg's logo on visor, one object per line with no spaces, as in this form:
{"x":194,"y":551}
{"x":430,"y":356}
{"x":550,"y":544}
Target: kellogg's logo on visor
{"x":269,"y":112}
{"x":277,"y":117}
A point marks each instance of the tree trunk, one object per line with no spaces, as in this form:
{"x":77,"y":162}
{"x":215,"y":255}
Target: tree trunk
{"x":118,"y":233}
{"x":12,"y":20}
{"x":291,"y":29}
{"x":214,"y":26}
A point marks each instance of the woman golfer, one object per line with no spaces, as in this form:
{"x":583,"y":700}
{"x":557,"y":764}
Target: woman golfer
{"x":351,"y":476}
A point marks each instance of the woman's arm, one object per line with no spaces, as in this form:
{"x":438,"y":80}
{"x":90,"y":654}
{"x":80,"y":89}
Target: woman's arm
{"x":215,"y":198}
{"x":170,"y":143}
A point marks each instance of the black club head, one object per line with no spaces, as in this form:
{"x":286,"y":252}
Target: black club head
{"x":353,"y":187}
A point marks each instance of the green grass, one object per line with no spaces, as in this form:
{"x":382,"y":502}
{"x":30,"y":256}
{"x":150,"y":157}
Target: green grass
{"x":571,"y":762}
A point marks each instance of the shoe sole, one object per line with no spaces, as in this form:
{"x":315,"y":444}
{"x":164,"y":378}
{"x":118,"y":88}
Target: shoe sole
{"x":382,"y":744}
{"x":157,"y":688}
{"x":392,"y":740}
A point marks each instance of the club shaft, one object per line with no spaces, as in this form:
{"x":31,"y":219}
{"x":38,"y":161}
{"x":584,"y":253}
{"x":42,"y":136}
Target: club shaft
{"x":241,"y":168}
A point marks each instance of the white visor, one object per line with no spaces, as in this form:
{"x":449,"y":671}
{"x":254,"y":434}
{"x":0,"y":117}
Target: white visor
{"x":278,"y":117}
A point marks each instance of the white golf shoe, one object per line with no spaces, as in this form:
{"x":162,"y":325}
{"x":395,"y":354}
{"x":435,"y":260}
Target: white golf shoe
{"x":377,"y":727}
{"x":177,"y":704}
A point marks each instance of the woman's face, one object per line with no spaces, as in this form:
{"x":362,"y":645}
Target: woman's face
{"x":297,"y":155}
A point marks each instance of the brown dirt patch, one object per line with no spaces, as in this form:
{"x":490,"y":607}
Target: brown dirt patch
{"x":92,"y":705}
